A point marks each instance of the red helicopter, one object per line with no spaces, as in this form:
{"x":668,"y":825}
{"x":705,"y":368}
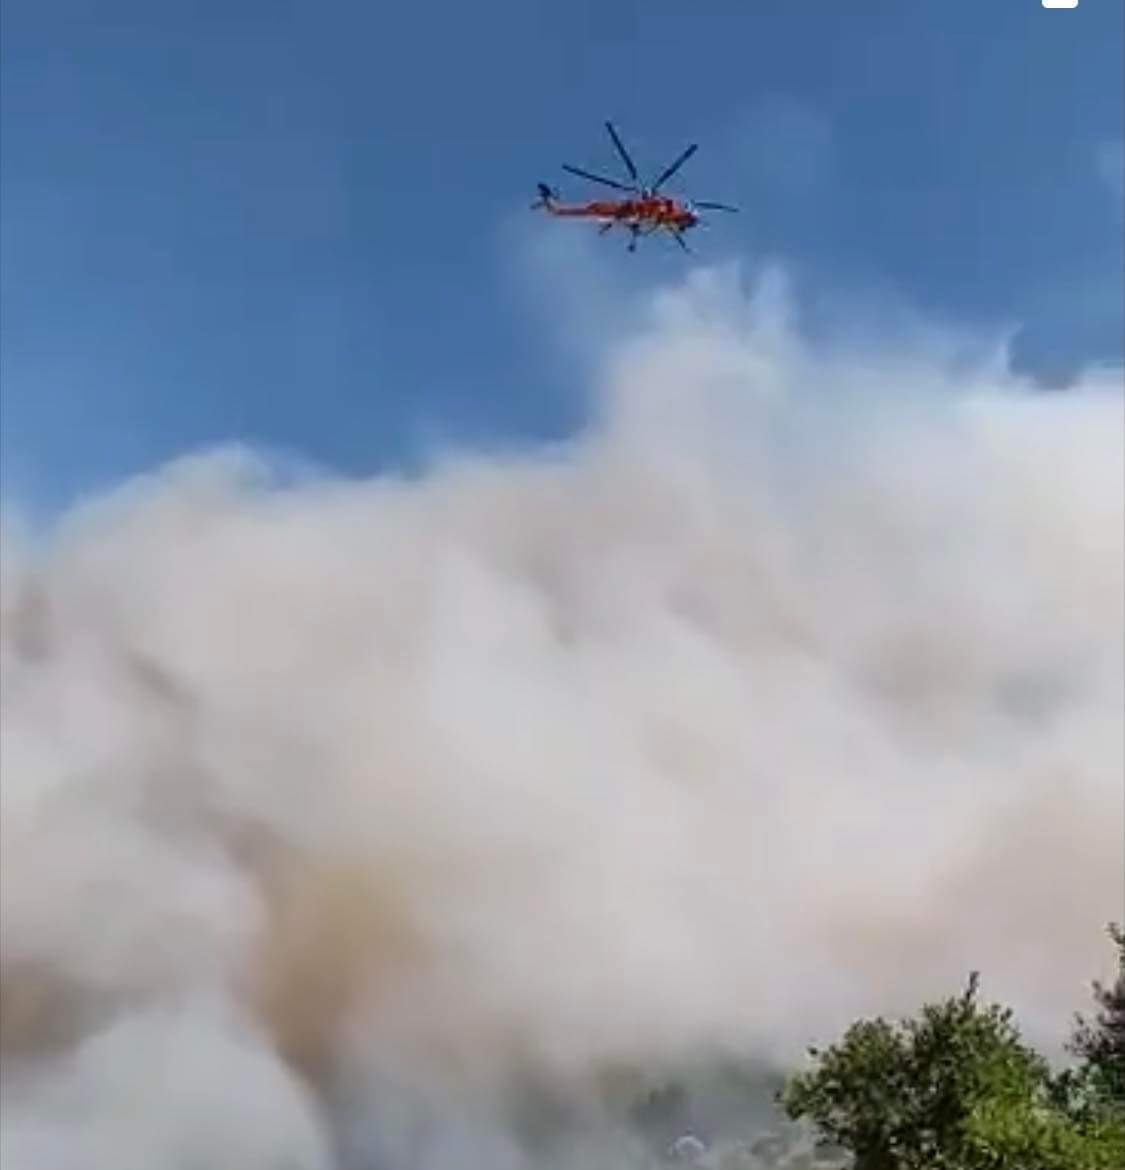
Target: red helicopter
{"x":644,"y":212}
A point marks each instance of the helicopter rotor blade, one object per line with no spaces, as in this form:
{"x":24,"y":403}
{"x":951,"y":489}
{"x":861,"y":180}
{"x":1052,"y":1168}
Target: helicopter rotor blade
{"x":707,"y":205}
{"x":670,"y":171}
{"x":597,"y":178}
{"x":680,"y":239}
{"x":622,"y":151}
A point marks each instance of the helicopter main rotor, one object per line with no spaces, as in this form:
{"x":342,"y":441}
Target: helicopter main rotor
{"x":642,"y":191}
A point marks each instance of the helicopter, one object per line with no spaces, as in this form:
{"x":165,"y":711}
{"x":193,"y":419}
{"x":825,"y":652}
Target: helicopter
{"x":643,"y":211}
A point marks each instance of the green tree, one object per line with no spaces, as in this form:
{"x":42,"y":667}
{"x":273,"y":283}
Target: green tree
{"x":1100,"y":1043}
{"x":955,"y":1088}
{"x":1031,"y":1135}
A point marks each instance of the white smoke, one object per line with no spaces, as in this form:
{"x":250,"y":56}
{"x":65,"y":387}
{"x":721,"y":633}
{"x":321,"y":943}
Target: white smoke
{"x":791,"y":690}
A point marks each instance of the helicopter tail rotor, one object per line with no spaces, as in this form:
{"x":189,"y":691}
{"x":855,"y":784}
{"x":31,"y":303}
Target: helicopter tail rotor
{"x":547,"y":197}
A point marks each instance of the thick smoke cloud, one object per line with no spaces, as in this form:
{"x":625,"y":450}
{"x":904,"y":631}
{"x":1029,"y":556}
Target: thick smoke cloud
{"x":338,"y":818}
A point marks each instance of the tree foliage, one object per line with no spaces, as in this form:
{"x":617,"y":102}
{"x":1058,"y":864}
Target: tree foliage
{"x":956,"y":1088}
{"x":1100,"y":1042}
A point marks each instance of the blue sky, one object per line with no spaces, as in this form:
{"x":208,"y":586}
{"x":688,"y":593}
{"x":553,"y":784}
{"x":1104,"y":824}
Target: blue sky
{"x":292,"y":223}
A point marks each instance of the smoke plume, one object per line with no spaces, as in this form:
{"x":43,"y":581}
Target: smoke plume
{"x":377,"y":824}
